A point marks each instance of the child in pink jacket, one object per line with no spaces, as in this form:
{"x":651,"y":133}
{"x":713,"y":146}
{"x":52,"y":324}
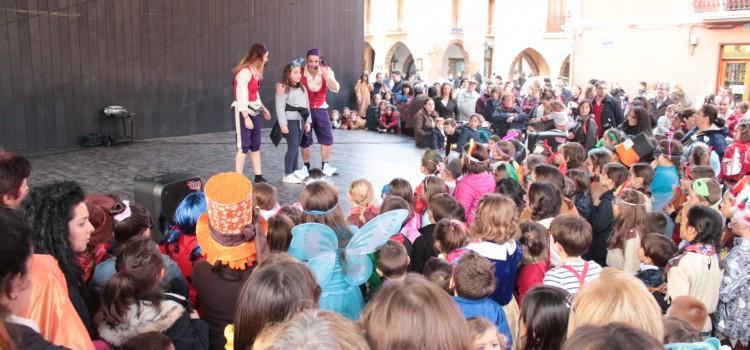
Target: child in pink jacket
{"x":476,"y":181}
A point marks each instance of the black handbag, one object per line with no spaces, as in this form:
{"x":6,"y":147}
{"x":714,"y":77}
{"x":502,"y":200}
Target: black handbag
{"x":276,"y":134}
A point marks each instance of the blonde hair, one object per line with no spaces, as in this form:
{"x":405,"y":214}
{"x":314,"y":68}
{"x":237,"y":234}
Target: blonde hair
{"x":616,"y":297}
{"x":312,"y":329}
{"x":414,"y":314}
{"x":480,"y":325}
{"x":362,"y":195}
{"x":496,"y":219}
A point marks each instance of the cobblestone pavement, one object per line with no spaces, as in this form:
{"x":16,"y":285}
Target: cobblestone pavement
{"x":356,"y":154}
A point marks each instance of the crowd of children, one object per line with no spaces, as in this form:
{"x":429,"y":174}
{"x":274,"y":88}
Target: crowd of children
{"x":552,"y":233}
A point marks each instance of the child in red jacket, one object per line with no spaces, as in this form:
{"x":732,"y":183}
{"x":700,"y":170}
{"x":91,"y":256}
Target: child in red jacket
{"x":736,"y":161}
{"x":389,"y":121}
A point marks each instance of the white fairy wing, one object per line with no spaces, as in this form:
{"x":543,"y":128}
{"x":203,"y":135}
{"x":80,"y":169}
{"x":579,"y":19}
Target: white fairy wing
{"x":315,"y":245}
{"x":357,"y":265}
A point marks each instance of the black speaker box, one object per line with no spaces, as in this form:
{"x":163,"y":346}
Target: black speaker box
{"x":162,"y":194}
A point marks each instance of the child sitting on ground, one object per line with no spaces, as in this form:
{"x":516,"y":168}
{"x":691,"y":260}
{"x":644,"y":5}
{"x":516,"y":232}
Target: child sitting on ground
{"x":264,"y":197}
{"x":639,"y":178}
{"x":362,"y":197}
{"x":534,"y":243}
{"x":613,"y":175}
{"x":666,"y":178}
{"x":392,"y":261}
{"x":133,"y":303}
{"x":679,"y":331}
{"x":654,"y":254}
{"x":389,"y":121}
{"x":690,"y":310}
{"x":439,"y":272}
{"x":442,"y":206}
{"x":494,"y":235}
{"x":484,"y":334}
{"x":631,"y":225}
{"x":279,"y":232}
{"x":572,"y":235}
{"x":696,"y":271}
{"x":148,"y":341}
{"x":451,"y":173}
{"x":474,"y":282}
{"x":451,"y":238}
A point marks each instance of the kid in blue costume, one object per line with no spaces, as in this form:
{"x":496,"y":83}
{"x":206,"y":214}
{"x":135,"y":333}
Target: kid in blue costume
{"x":337,"y":253}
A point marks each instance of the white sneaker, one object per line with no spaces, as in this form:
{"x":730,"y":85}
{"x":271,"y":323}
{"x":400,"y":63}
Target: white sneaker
{"x":301,"y":173}
{"x":328,"y":170}
{"x":292,"y":179}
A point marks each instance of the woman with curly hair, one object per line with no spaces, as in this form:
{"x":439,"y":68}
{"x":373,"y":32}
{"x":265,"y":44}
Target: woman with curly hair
{"x":61,"y":229}
{"x":60,"y":221}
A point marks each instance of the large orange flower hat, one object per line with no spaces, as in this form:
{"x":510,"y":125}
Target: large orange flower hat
{"x":230,"y":233}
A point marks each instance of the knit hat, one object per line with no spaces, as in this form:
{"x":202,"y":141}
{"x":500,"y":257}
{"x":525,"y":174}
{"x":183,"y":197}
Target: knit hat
{"x":102,"y":209}
{"x":231,"y":232}
{"x":560,"y":118}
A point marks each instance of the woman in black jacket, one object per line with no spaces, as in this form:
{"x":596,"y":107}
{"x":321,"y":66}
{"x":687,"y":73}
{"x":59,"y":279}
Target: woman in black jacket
{"x":445,"y":104}
{"x":638,"y":121}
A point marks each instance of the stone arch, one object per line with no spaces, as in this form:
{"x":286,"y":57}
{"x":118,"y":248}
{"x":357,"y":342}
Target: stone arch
{"x":400,"y":58}
{"x":565,"y":68}
{"x":368,"y":58}
{"x":455,"y":59}
{"x":529,"y":62}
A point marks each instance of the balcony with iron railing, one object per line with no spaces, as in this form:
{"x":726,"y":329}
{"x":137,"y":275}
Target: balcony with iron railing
{"x":722,"y":10}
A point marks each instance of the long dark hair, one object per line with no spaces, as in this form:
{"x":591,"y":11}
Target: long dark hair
{"x":256,"y":52}
{"x":545,"y":200}
{"x":708,"y":224}
{"x":280,"y":287}
{"x":545,"y":312}
{"x":139,"y":267}
{"x":644,"y":121}
{"x":15,"y":249}
{"x":632,"y":216}
{"x":712,"y":114}
{"x":48,"y":209}
{"x":286,"y":81}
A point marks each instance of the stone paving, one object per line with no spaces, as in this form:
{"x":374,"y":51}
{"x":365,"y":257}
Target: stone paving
{"x":356,"y":154}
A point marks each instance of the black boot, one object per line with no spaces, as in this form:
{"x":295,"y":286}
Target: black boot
{"x":259,"y":179}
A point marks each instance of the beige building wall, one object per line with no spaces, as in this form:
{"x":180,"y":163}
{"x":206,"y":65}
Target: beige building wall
{"x":428,"y":30}
{"x":630,"y":41}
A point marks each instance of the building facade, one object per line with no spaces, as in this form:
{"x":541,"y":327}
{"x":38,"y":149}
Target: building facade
{"x":434,"y":38}
{"x":701,"y":45}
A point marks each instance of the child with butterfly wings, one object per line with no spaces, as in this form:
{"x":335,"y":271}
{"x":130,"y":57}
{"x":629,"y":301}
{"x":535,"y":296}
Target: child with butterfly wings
{"x":337,"y":252}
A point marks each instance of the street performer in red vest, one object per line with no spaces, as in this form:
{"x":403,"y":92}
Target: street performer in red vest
{"x":318,"y":79}
{"x":248,"y":108}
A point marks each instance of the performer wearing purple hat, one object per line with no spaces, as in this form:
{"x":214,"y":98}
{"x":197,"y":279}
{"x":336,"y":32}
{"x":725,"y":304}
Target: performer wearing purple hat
{"x":318,"y":79}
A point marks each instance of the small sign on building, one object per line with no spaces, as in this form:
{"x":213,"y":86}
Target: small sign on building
{"x":606,"y":43}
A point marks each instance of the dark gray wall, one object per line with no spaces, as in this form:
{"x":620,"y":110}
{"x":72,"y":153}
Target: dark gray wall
{"x":169,"y":61}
